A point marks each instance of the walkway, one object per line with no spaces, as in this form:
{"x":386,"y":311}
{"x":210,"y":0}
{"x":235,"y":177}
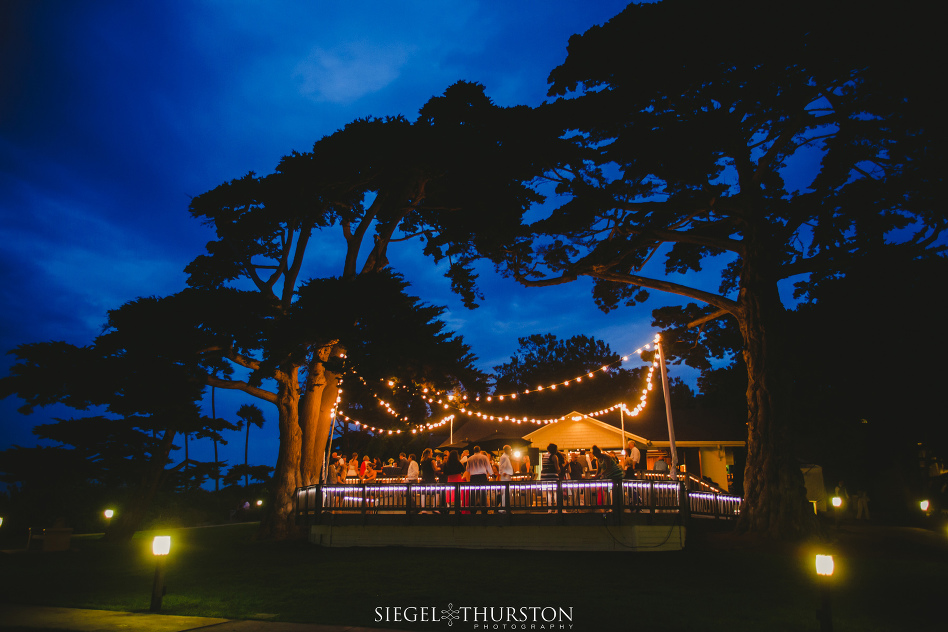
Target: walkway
{"x":14,"y":617}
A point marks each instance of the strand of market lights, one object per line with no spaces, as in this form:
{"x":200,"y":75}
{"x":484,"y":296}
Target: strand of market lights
{"x":388,"y":408}
{"x":643,"y":399}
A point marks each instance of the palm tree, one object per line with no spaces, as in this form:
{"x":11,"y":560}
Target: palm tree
{"x":248,"y":414}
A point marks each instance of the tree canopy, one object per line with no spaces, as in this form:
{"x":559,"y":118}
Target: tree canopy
{"x":706,"y":136}
{"x":438,"y":179}
{"x":137,"y":374}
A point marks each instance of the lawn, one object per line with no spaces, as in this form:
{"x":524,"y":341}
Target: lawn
{"x":886,"y":579}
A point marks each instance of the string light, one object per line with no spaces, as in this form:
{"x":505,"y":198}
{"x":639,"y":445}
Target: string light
{"x":603,"y":369}
{"x":643,"y":399}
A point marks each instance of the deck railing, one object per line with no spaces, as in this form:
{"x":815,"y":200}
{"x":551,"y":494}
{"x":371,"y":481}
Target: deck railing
{"x":512,"y":497}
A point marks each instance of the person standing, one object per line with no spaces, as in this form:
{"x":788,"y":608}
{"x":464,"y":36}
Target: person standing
{"x":660,"y":464}
{"x":411,"y":475}
{"x":576,"y":473}
{"x":551,"y":470}
{"x":632,"y":460}
{"x":862,"y":505}
{"x":505,"y":469}
{"x":609,"y":469}
{"x":453,"y":469}
{"x":479,"y":470}
{"x":504,"y":465}
{"x":429,"y":474}
{"x":341,"y":469}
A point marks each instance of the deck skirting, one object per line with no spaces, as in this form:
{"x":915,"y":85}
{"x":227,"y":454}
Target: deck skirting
{"x":636,"y":537}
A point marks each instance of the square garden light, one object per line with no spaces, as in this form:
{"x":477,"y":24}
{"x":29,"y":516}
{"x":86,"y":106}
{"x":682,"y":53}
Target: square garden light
{"x":161,"y":545}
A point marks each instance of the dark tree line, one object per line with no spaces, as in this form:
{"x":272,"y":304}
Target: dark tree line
{"x":680,"y":129}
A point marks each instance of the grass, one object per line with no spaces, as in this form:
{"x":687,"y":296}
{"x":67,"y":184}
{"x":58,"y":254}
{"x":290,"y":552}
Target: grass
{"x":720,"y":582}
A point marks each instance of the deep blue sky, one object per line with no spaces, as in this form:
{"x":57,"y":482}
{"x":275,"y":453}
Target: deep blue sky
{"x":114,"y":114}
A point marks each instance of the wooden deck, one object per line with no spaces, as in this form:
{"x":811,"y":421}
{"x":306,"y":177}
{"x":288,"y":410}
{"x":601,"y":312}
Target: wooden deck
{"x":647,"y":514}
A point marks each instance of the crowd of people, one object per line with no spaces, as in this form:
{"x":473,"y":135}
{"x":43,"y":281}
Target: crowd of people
{"x":476,"y":465}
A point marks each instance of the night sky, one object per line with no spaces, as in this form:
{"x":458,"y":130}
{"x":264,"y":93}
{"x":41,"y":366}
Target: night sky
{"x":113,"y":115}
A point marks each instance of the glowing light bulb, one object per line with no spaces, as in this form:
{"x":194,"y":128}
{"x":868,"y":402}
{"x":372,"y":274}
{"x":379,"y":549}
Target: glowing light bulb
{"x":824,"y":565}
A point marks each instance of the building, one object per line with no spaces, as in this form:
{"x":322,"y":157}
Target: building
{"x":709,"y":445}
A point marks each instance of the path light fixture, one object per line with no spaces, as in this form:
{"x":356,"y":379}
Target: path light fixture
{"x":259,"y":503}
{"x":924,"y":505}
{"x":824,"y":569}
{"x":837,"y":509}
{"x":160,"y":547}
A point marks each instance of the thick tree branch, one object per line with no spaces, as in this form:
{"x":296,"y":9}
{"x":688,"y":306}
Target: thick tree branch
{"x":289,"y":284}
{"x":236,"y":358}
{"x":566,"y":278}
{"x":708,"y":318}
{"x":285,"y":245}
{"x":354,"y":240}
{"x":666,"y":286}
{"x":242,"y":386}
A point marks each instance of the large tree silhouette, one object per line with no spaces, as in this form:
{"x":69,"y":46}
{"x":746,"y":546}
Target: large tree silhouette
{"x":694,"y":124}
{"x":144,"y":373}
{"x":435,"y":180}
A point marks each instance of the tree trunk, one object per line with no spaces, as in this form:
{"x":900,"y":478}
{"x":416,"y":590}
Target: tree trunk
{"x":217,"y":470}
{"x":130,"y":519}
{"x":246,"y":452}
{"x":315,"y":412}
{"x":774,"y":492}
{"x":278,"y":521}
{"x":326,"y":418}
{"x":309,"y":422}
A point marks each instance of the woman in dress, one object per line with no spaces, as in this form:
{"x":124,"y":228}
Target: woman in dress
{"x":454,"y":470}
{"x":429,"y":474}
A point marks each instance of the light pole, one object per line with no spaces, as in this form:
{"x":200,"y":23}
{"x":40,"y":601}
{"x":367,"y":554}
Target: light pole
{"x":668,"y":412}
{"x":160,"y":547}
{"x":824,"y":568}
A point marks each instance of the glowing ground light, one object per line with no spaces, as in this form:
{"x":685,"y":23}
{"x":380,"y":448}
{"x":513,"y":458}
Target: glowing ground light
{"x":824,"y":565}
{"x":924,"y":505}
{"x":259,"y":503}
{"x":837,"y":501}
{"x":109,"y":513}
{"x":161,"y":545}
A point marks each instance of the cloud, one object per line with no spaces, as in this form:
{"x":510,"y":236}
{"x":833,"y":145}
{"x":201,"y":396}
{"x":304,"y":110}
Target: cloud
{"x":345,"y":73}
